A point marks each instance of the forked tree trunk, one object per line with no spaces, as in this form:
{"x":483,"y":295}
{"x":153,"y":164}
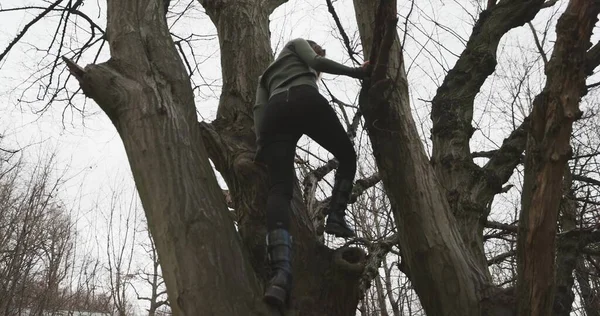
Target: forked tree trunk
{"x":145,"y":91}
{"x":548,"y":149}
{"x":444,"y":275}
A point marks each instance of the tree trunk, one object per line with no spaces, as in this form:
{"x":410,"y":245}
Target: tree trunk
{"x":382,"y":307}
{"x":469,"y":188}
{"x":566,"y":258}
{"x":444,"y":276}
{"x":145,"y":91}
{"x":548,"y":150}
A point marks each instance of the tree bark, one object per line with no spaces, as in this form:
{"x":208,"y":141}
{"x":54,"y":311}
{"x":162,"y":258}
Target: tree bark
{"x":145,"y":91}
{"x":566,"y":258}
{"x":548,"y":150}
{"x":443,"y":273}
{"x":470,"y":189}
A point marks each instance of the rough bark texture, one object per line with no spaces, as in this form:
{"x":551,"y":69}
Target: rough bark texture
{"x":566,"y":258}
{"x":548,"y":150}
{"x":443,"y":273}
{"x":145,"y":91}
{"x":326,"y":281}
{"x":469,"y":188}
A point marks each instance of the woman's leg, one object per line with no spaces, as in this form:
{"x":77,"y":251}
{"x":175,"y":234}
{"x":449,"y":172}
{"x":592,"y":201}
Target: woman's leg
{"x":328,"y":132}
{"x":279,"y":135}
{"x":279,"y":159}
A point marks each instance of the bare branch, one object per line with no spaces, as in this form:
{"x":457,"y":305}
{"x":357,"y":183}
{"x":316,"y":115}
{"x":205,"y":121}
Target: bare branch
{"x":505,"y":159}
{"x":501,"y":226}
{"x":351,"y":52}
{"x":27,"y":26}
{"x":452,"y":107}
{"x":377,"y":253}
{"x":585,"y":236}
{"x":538,"y":43}
{"x":586,"y":179}
{"x":361,"y":185}
{"x":484,"y":154}
{"x":501,"y":257}
{"x":310,"y":185}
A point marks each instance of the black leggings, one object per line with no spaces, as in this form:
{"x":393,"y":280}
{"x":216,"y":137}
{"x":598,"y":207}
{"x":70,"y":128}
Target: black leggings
{"x":301,"y":110}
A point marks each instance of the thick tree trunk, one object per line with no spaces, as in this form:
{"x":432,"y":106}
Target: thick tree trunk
{"x":145,"y":91}
{"x":470,"y":189}
{"x":548,"y":150}
{"x":443,"y":273}
{"x":566,"y":258}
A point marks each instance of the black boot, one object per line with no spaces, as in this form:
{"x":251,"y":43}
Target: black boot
{"x":279,"y":250}
{"x":336,"y":224}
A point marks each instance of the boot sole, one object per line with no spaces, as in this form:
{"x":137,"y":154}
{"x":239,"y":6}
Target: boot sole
{"x":275,"y":295}
{"x":338,"y":231}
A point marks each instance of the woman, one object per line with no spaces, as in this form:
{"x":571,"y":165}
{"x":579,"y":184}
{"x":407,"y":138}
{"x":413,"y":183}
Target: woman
{"x":288,"y":105}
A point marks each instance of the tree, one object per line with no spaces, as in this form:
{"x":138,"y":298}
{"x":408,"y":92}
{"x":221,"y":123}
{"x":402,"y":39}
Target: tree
{"x":440,"y":205}
{"x":157,"y":297}
{"x":37,"y":245}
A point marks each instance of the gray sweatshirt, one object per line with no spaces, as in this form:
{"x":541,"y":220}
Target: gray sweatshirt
{"x":297,"y":64}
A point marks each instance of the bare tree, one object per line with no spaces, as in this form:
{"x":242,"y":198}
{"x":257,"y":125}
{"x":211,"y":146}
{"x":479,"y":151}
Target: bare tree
{"x":121,"y":238}
{"x":440,"y":204}
{"x":153,"y":278}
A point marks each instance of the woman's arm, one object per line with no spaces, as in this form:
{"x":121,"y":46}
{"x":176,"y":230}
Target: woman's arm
{"x":303,"y":49}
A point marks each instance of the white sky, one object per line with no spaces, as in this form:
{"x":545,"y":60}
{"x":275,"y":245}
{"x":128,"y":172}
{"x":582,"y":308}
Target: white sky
{"x":90,"y":154}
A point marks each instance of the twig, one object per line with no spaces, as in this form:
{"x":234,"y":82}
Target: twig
{"x":351,"y":52}
{"x":538,"y":44}
{"x":27,"y":26}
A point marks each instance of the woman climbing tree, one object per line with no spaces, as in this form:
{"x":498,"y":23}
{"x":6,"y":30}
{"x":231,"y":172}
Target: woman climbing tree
{"x":289,"y":105}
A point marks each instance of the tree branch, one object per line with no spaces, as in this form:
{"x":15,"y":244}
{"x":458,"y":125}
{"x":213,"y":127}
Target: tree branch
{"x":501,"y":257}
{"x":27,"y":26}
{"x":377,"y":253}
{"x":310,"y":188}
{"x":484,"y":154}
{"x":452,"y":106}
{"x":351,"y":52}
{"x":501,"y":226}
{"x":538,"y":43}
{"x":593,"y":58}
{"x":504,"y":160}
{"x":586,"y":179}
{"x":585,"y":236}
{"x":360,"y":186}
